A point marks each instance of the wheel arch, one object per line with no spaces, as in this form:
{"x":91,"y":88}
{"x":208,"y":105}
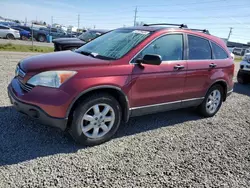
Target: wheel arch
{"x":223,"y":84}
{"x":112,"y":90}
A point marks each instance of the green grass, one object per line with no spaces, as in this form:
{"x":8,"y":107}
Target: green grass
{"x":25,"y":48}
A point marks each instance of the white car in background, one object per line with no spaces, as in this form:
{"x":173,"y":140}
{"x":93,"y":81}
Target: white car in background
{"x":7,"y":32}
{"x":243,"y":75}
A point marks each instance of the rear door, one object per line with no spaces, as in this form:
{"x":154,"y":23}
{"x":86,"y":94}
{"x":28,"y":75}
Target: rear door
{"x":159,"y":87}
{"x":203,"y":67}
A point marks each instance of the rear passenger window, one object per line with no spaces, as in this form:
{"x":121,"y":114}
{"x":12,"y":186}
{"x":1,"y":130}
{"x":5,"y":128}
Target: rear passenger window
{"x":218,"y":52}
{"x":199,"y":48}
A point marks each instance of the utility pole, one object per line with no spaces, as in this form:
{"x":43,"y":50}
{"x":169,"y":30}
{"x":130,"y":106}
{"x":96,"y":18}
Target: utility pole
{"x":52,"y":21}
{"x":25,"y":21}
{"x":135,"y":16}
{"x":229,"y":34}
{"x":78,"y":22}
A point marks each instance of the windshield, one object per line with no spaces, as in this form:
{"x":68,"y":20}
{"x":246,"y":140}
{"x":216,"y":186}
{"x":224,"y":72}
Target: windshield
{"x":115,"y":44}
{"x":87,"y":36}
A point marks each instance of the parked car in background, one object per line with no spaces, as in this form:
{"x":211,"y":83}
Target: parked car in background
{"x":243,"y":75}
{"x":38,"y":35}
{"x":23,"y":33}
{"x":231,"y":51}
{"x":7,"y":32}
{"x":124,"y":73}
{"x":74,"y":43}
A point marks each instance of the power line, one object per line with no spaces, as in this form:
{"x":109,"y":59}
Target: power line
{"x":176,"y":17}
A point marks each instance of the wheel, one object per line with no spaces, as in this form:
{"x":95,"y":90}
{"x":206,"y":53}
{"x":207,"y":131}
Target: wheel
{"x":95,"y":120}
{"x":41,"y":38}
{"x":241,"y":78}
{"x":212,"y":102}
{"x":24,"y":38}
{"x":10,"y":36}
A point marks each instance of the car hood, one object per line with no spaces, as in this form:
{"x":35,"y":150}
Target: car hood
{"x":73,"y":39}
{"x":59,"y":61}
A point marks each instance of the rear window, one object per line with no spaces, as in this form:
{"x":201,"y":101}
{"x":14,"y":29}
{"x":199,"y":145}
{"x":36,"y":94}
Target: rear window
{"x":218,"y":52}
{"x":199,"y":48}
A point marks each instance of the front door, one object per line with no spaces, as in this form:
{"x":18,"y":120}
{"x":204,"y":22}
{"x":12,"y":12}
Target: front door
{"x":159,"y":87}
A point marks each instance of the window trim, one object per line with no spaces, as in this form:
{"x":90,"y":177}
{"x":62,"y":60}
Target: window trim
{"x":214,"y":58}
{"x":209,"y":42}
{"x":184,"y":55}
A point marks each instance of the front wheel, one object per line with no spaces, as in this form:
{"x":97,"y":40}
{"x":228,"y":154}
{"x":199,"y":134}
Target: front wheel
{"x":212,"y":101}
{"x":95,"y":120}
{"x":10,"y":37}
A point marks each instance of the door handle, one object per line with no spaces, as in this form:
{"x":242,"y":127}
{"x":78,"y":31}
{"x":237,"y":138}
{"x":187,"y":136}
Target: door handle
{"x":212,"y":65}
{"x":178,"y":67}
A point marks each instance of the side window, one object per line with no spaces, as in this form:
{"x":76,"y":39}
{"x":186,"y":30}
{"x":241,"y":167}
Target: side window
{"x":199,"y":48}
{"x":2,"y":27}
{"x":218,"y":52}
{"x":169,"y":47}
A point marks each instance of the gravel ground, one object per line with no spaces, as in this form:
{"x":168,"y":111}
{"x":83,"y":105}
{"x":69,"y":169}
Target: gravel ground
{"x":172,"y":149}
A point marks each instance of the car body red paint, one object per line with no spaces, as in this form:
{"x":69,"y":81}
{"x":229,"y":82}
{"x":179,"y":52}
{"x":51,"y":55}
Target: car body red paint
{"x":141,"y":85}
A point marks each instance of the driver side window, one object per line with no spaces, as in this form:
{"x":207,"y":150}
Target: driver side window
{"x":169,"y":47}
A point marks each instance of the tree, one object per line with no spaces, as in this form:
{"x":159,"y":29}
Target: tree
{"x":44,"y":23}
{"x":17,"y":21}
{"x":248,"y":43}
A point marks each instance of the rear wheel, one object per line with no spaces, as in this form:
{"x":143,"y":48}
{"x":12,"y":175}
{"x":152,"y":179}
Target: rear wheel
{"x":41,"y":38}
{"x":10,"y":36}
{"x":212,"y":102}
{"x":95,"y":120}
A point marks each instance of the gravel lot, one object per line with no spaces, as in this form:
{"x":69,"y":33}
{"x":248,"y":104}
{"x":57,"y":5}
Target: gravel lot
{"x":172,"y":149}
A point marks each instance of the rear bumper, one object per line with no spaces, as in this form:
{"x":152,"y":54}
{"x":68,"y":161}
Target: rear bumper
{"x":243,"y":72}
{"x":36,"y":112}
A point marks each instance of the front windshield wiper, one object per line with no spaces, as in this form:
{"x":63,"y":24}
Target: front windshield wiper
{"x":87,"y":53}
{"x":95,"y":55}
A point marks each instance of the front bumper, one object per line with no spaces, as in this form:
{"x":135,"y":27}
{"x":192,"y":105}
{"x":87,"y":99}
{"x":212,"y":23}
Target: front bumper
{"x":36,"y":112}
{"x":47,"y":110}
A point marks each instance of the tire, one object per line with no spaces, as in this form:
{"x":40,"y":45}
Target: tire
{"x":41,"y":38}
{"x":85,"y":131}
{"x":10,"y":36}
{"x":205,"y":109}
{"x":24,"y":38}
{"x":241,"y":78}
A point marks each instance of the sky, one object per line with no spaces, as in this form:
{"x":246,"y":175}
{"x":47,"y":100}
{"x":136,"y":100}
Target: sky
{"x":215,"y":15}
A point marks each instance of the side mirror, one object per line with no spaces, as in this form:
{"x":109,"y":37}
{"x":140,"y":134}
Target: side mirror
{"x":151,"y":59}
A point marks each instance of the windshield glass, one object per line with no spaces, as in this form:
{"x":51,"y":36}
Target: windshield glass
{"x":87,"y":36}
{"x":115,"y":44}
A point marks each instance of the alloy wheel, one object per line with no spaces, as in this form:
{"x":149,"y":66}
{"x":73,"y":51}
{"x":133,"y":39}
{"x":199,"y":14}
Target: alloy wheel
{"x":98,"y":121}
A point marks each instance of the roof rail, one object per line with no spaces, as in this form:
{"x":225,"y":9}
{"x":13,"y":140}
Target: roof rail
{"x":201,"y":30}
{"x":180,"y":25}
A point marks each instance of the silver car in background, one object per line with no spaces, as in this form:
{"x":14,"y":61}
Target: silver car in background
{"x":7,"y":32}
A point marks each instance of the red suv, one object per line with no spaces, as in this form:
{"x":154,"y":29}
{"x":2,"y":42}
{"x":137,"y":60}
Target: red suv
{"x":124,"y":73}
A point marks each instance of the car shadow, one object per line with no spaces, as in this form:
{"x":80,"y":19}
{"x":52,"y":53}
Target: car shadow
{"x":242,"y":89}
{"x":23,"y":139}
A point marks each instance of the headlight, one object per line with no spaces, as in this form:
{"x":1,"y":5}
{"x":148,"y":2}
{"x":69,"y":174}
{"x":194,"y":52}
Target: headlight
{"x":51,"y":78}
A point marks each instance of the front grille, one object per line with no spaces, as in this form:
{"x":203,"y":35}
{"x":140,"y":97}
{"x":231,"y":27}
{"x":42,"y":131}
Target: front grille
{"x":25,"y":87}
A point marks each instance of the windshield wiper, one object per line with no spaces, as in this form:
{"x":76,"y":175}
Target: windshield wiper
{"x":87,"y":53}
{"x":95,"y":55}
